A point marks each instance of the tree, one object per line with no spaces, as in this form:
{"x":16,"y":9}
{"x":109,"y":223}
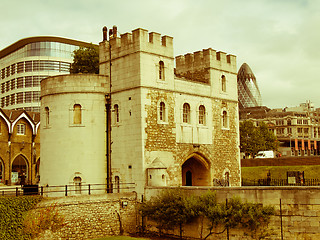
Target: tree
{"x":86,"y":60}
{"x":172,"y":208}
{"x":233,"y":214}
{"x":254,"y":139}
{"x":169,"y":209}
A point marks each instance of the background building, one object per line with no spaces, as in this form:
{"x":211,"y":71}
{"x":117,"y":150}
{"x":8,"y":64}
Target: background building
{"x":297,"y":128}
{"x":20,"y":147}
{"x":24,"y":63}
{"x":248,"y":90}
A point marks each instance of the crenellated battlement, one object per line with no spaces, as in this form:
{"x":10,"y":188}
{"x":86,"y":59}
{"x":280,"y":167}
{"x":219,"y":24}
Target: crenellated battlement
{"x":138,"y":40}
{"x":195,"y":66}
{"x":204,"y":59}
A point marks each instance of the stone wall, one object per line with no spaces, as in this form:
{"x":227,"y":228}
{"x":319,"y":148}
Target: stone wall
{"x":92,"y":216}
{"x":300,"y":210}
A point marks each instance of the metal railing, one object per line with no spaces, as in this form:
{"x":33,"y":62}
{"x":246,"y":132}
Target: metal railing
{"x":279,"y":182}
{"x":67,"y":190}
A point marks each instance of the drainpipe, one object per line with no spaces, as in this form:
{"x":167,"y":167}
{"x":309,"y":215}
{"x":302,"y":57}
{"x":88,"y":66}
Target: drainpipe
{"x":112,"y":33}
{"x":32,"y":157}
{"x":10,"y":167}
{"x":108,"y":142}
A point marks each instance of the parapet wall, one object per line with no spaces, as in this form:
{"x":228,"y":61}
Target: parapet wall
{"x":138,"y":40}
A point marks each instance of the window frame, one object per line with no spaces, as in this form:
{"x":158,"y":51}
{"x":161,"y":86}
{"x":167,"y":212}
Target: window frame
{"x":21,"y":129}
{"x":202,"y":115}
{"x":116,"y":113}
{"x":223,"y":83}
{"x":161,"y":69}
{"x":186,"y":113}
{"x":225,"y":119}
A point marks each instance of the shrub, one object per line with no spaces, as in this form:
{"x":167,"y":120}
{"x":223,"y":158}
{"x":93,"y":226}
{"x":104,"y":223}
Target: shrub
{"x":12,"y":213}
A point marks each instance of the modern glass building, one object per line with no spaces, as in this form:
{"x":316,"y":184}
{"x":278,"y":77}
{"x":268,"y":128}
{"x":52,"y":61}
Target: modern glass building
{"x":23,"y":65}
{"x":248,"y":90}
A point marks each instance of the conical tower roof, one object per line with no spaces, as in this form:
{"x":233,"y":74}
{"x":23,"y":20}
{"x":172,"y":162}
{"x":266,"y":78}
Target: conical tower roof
{"x":248,"y":90}
{"x":245,"y":72}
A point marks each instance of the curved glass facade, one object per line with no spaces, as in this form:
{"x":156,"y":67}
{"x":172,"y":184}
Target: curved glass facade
{"x":248,"y":90}
{"x":23,"y":66}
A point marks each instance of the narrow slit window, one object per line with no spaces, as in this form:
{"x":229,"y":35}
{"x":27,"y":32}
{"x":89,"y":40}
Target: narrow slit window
{"x":47,"y":111}
{"x":161,"y":70}
{"x":223,"y":83}
{"x":116,"y":113}
{"x":225,"y":119}
{"x":162,"y":111}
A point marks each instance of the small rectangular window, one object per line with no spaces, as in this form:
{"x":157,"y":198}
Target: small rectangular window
{"x":13,"y":84}
{"x":28,"y":97}
{"x":13,"y":69}
{"x":20,"y":67}
{"x":12,"y":99}
{"x":21,"y":129}
{"x":28,"y":81}
{"x":19,"y":97}
{"x":28,"y":67}
{"x":20,"y":82}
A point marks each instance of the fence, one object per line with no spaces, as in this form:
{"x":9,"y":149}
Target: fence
{"x":66,"y":190}
{"x":279,"y":182}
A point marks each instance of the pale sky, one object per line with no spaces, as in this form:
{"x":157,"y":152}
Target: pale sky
{"x":278,"y":39}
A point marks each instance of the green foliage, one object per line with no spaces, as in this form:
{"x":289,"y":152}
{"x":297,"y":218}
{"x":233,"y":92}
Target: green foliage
{"x":254,"y":139}
{"x":86,"y":60}
{"x":172,"y":208}
{"x":12,"y":213}
{"x":169,"y":209}
{"x":46,"y":218}
{"x":235,"y":214}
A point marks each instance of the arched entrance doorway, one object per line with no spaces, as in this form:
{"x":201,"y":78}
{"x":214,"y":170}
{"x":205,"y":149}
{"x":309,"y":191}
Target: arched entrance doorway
{"x":77,"y":183}
{"x":195,"y":172}
{"x":19,"y":173}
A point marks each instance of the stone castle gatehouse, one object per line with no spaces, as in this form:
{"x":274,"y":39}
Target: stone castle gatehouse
{"x":148,"y":118}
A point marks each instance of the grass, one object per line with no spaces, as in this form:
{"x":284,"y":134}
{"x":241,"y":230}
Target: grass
{"x":120,"y":238}
{"x":279,"y":172}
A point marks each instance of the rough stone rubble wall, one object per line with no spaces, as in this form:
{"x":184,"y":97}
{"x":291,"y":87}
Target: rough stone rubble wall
{"x":94,"y":216}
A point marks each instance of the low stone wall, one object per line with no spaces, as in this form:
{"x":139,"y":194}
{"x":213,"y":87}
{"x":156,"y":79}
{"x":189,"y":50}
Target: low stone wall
{"x":92,"y":216}
{"x":300,"y":210}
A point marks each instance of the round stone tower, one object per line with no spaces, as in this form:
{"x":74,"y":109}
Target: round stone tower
{"x":73,"y":131}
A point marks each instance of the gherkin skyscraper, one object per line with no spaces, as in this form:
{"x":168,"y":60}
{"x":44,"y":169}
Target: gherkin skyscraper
{"x":248,"y":90}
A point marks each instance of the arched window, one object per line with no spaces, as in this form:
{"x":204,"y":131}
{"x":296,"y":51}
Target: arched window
{"x":77,"y":114}
{"x":202,"y":115}
{"x":162,"y":112}
{"x":186,"y":113}
{"x":47,"y":116}
{"x":224,"y":119}
{"x":116,"y":112}
{"x":223,"y":83}
{"x":161,"y":70}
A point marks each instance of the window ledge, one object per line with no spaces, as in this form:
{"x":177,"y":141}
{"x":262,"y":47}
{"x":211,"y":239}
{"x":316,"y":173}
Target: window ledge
{"x":162,"y":122}
{"x":76,"y":125}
